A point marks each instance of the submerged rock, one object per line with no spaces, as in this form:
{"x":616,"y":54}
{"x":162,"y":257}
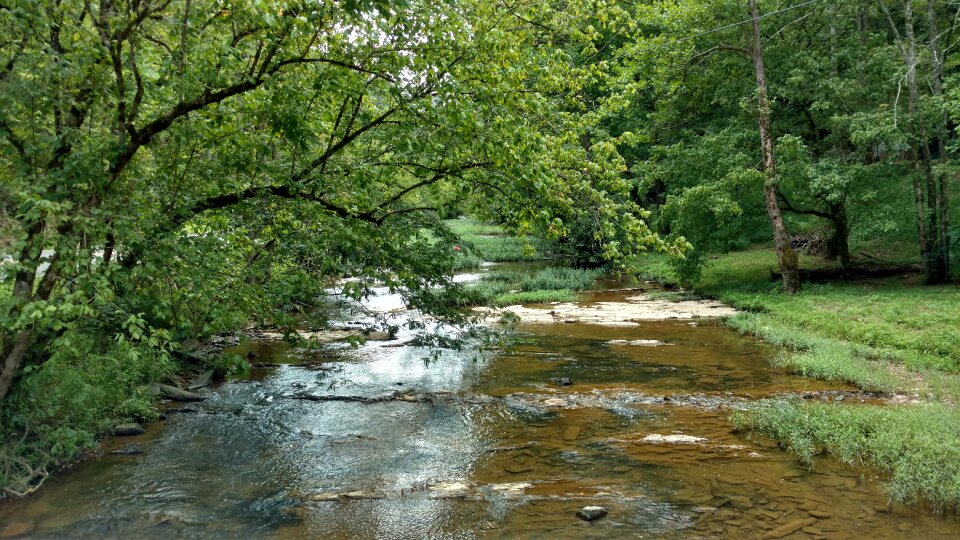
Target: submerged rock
{"x":740,"y":501}
{"x":561,"y":381}
{"x":591,"y":513}
{"x":128,"y":450}
{"x":637,"y":342}
{"x":789,"y":528}
{"x":126,"y":430}
{"x":17,"y":529}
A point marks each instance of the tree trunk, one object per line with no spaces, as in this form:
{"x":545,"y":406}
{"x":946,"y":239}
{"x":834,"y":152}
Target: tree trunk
{"x":910,"y":59}
{"x":786,"y":257}
{"x":838,"y":245}
{"x":941,"y":208}
{"x":924,"y":188}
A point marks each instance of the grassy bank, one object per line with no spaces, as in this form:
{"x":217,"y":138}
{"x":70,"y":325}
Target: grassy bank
{"x":915,"y":446}
{"x":889,"y":335}
{"x":484,"y":242}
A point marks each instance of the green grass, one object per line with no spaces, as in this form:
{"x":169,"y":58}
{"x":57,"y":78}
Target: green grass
{"x":485,"y":242}
{"x":915,"y":446}
{"x":535,"y":297}
{"x":820,"y":357}
{"x":466,"y":227}
{"x":553,"y":284}
{"x":849,"y":331}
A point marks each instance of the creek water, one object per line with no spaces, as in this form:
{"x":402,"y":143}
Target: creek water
{"x":471,"y":445}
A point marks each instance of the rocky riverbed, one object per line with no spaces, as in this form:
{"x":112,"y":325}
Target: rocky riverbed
{"x":382,"y":440}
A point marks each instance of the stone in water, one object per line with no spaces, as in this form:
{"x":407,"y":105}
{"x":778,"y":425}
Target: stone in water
{"x":591,"y":513}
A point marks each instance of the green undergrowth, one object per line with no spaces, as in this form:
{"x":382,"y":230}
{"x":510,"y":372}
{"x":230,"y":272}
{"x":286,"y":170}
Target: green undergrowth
{"x":554,"y":284}
{"x":915,"y":446}
{"x":62,"y":408}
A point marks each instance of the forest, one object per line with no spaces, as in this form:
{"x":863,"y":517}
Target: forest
{"x":177,"y":171}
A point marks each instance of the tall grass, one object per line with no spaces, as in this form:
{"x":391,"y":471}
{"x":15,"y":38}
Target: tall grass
{"x":916,"y":446}
{"x":547,"y":285}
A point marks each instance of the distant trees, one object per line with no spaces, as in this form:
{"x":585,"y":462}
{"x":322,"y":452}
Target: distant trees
{"x":862,"y":120}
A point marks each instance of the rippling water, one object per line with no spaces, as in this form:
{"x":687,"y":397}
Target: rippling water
{"x":643,"y":431}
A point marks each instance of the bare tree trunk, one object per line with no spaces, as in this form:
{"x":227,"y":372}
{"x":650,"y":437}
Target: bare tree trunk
{"x":13,"y":345}
{"x":942,"y":201}
{"x":786,"y":257}
{"x":910,"y":59}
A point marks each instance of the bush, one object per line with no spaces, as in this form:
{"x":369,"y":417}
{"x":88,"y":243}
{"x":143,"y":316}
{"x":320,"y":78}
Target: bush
{"x":63,"y":406}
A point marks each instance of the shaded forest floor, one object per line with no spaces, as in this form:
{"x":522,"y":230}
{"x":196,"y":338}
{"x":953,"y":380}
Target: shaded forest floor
{"x":892,"y":335}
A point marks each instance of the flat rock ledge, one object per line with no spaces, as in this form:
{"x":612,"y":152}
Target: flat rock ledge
{"x":629,"y":312}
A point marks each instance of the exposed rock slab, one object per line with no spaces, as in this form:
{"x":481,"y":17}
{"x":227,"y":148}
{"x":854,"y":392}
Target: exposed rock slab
{"x":203,"y":380}
{"x":176,"y":394}
{"x":450,"y":490}
{"x":656,"y":438}
{"x":628,"y":312}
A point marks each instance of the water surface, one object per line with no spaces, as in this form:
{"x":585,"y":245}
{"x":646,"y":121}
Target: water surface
{"x":643,"y":431}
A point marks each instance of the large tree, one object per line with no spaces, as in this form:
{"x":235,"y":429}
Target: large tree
{"x":139,"y":136}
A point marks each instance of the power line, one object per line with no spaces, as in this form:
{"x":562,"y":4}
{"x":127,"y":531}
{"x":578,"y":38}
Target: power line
{"x":728,"y":26}
{"x":745,"y":21}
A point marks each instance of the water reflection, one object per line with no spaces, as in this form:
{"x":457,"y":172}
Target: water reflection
{"x":642,"y":430}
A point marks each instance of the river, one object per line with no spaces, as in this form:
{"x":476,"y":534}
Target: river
{"x":389,"y":441}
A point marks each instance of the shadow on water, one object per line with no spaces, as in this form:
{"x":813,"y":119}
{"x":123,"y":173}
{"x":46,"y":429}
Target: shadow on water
{"x":478,"y":446}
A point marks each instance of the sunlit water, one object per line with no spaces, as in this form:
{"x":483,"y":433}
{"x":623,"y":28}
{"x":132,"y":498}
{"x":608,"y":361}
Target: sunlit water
{"x":528,"y":453}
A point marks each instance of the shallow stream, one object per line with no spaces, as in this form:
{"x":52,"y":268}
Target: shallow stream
{"x":472,"y":445}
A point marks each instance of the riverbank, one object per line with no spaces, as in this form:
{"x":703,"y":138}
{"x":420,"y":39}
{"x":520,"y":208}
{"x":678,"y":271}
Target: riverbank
{"x":891,"y":335}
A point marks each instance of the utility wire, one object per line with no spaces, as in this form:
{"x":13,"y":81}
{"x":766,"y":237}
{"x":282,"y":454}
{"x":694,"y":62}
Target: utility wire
{"x":728,"y":26}
{"x":745,"y":21}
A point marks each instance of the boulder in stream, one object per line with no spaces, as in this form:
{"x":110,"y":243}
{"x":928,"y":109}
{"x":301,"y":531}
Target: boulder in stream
{"x":176,"y":394}
{"x":561,"y":381}
{"x":128,"y":450}
{"x":591,"y":513}
{"x":203,"y":380}
{"x":126,"y":430}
